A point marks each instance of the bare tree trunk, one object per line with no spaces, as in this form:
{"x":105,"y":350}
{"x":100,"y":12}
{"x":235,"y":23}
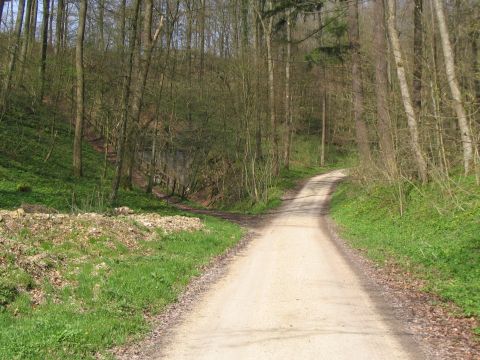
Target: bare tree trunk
{"x":144,"y":61}
{"x":101,"y":24}
{"x":271,"y":92}
{"x":43,"y":56}
{"x":59,"y":28}
{"x":381,"y":87}
{"x":407,"y":101}
{"x":153,"y":161}
{"x":26,"y":37}
{"x":417,"y":56}
{"x":80,"y":114}
{"x":50,"y":27}
{"x":288,"y":101}
{"x":454,"y":87}
{"x":474,"y":37}
{"x":123,"y":20}
{"x":125,"y":105}
{"x":13,"y":54}
{"x":33,"y":22}
{"x":436,"y":97}
{"x":360,"y":125}
{"x":66,"y":17}
{"x":244,"y":25}
{"x":257,"y":61}
{"x":2,"y":3}
{"x":202,"y":36}
{"x":189,"y":30}
{"x":149,"y":43}
{"x":324,"y":127}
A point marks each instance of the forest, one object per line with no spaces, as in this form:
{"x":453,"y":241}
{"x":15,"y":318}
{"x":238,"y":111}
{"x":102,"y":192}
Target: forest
{"x":400,"y":86}
{"x":225,"y":105}
{"x":142,"y":77}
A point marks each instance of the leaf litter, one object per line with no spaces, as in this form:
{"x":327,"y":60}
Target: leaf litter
{"x":27,"y":234}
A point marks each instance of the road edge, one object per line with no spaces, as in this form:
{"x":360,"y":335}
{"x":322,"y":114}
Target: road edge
{"x":399,"y":296}
{"x":164,"y":323}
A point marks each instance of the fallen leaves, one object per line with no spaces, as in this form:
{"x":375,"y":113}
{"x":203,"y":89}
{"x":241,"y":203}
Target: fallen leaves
{"x":24,"y":235}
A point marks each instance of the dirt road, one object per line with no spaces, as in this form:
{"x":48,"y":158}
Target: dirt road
{"x":291,"y":295}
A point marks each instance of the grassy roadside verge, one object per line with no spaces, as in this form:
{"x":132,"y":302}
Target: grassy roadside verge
{"x":107,"y":288}
{"x":437,"y":238}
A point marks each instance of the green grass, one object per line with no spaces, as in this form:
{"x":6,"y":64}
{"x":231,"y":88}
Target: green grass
{"x":437,"y":238}
{"x":25,"y":141}
{"x":99,"y":308}
{"x":106,"y":307}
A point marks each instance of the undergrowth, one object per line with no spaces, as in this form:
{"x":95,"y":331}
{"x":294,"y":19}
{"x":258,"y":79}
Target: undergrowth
{"x":304,"y":164}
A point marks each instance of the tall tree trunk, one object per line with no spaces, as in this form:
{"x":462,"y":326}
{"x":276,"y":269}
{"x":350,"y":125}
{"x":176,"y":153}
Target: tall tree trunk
{"x":257,"y":61}
{"x":13,"y":54}
{"x":101,"y":24}
{"x":80,"y":113}
{"x":454,"y":88}
{"x":26,"y":36}
{"x":66,"y":17}
{"x":2,"y":3}
{"x":436,"y":98}
{"x":59,"y":27}
{"x":271,"y":92}
{"x":324,"y":127}
{"x":125,"y":105}
{"x":153,"y":160}
{"x":145,"y":58}
{"x":33,"y":22}
{"x":123,"y":21}
{"x":50,"y":27}
{"x":188,"y":35}
{"x":360,"y":125}
{"x":43,"y":56}
{"x":417,"y":56}
{"x":474,"y":37}
{"x":245,"y":25}
{"x":407,"y":101}
{"x":202,"y":36}
{"x":288,"y":101}
{"x":381,"y":87}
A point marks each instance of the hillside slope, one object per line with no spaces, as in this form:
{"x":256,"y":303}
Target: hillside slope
{"x":74,"y":284}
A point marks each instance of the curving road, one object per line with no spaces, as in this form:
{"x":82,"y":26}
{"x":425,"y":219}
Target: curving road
{"x":291,"y":295}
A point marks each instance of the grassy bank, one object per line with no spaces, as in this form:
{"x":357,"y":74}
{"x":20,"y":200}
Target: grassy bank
{"x":437,"y":237}
{"x":107,"y":287}
{"x":36,"y":165}
{"x":70,"y":290}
